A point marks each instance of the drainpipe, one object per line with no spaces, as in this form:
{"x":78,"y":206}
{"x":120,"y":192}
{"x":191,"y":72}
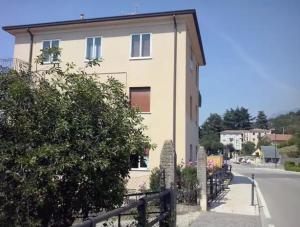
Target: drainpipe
{"x":31,"y":46}
{"x":174,"y":81}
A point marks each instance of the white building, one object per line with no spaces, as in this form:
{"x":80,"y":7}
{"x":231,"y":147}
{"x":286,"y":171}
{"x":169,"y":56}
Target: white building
{"x":254,"y":135}
{"x":234,"y":137}
{"x":238,"y":137}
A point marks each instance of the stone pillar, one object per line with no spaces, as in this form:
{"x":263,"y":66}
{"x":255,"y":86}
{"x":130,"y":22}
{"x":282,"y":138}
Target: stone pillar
{"x":168,"y":164}
{"x":202,"y":178}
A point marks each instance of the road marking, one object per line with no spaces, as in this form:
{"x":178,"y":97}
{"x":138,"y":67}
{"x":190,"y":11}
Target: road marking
{"x":271,"y":225}
{"x":263,"y":202}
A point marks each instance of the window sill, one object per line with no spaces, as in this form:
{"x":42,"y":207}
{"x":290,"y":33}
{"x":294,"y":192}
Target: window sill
{"x":51,"y":63}
{"x":100,"y":60}
{"x":144,"y":112}
{"x":140,"y":169}
{"x":140,"y":58}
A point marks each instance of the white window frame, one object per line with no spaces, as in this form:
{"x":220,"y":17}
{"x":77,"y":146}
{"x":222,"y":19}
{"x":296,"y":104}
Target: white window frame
{"x":139,"y":164}
{"x":140,"y":48}
{"x":51,"y":56}
{"x":94,"y":48}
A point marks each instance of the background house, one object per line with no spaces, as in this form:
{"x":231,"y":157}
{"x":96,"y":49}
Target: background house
{"x":238,"y":137}
{"x":234,"y":137}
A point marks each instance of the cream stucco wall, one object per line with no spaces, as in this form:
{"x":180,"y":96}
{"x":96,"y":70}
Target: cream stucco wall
{"x":156,"y":72}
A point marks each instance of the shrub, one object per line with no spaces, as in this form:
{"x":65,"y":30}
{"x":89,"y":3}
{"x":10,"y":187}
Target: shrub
{"x":291,"y":166}
{"x":155,"y":179}
{"x":189,"y":177}
{"x":65,"y":147}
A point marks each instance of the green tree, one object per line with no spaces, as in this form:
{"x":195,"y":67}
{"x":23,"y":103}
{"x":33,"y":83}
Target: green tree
{"x":263,"y":142}
{"x":261,"y":120}
{"x":238,"y":118}
{"x":248,"y":148}
{"x":212,"y":125}
{"x":65,"y":147}
{"x":211,"y":143}
{"x":288,"y":123}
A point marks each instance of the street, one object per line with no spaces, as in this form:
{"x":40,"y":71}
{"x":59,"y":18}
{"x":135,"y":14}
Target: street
{"x":280,"y":192}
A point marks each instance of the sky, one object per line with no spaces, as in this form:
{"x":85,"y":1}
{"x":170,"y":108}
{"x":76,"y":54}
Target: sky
{"x":252,"y":47}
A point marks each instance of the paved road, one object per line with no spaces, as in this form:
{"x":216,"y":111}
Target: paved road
{"x":281,"y":192}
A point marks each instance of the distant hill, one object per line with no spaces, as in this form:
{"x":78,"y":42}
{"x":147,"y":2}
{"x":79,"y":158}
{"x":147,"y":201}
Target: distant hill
{"x":289,"y":121}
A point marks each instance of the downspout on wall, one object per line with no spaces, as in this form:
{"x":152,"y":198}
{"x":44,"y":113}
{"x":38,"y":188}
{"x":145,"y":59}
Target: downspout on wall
{"x":174,"y":81}
{"x":30,"y":48}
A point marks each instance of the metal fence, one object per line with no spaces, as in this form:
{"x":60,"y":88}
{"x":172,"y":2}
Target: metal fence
{"x":148,"y":210}
{"x":13,"y":64}
{"x":218,"y":182}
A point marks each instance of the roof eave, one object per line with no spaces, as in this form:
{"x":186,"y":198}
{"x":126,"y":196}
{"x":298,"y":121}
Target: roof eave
{"x":10,"y":29}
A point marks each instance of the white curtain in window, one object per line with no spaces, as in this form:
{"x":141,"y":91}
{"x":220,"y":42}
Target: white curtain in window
{"x":145,"y":45}
{"x":89,"y":48}
{"x":135,"y":46}
{"x":46,"y":45}
{"x":55,"y":43}
{"x":97,"y":48}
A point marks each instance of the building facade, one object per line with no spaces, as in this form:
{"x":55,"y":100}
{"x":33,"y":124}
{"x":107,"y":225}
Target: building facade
{"x":234,"y":137}
{"x":238,"y":137}
{"x":156,"y":56}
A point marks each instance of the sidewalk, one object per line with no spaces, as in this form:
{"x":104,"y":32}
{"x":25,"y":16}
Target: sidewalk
{"x":233,"y":208}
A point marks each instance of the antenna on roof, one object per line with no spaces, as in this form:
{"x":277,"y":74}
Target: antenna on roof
{"x":136,"y":7}
{"x":82,"y":16}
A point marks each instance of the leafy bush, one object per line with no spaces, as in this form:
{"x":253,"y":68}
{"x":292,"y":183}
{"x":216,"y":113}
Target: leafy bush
{"x":155,"y":179}
{"x":65,"y":146}
{"x":189,"y":177}
{"x":291,"y":166}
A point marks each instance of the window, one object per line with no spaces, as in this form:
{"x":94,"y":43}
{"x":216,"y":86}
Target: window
{"x":191,"y":152}
{"x":140,"y":162}
{"x":191,"y":60}
{"x":47,"y":44}
{"x":191,"y":111}
{"x":196,"y":108}
{"x":140,"y":98}
{"x":93,"y":48}
{"x":140,"y":45}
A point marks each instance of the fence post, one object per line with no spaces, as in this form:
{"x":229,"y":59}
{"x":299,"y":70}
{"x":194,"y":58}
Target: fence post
{"x":202,"y":177}
{"x":141,"y":214}
{"x":168,"y":164}
{"x":252,"y":190}
{"x":211,"y":185}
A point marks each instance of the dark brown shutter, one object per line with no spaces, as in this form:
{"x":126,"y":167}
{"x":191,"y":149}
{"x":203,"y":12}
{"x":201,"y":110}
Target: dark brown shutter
{"x":140,"y":98}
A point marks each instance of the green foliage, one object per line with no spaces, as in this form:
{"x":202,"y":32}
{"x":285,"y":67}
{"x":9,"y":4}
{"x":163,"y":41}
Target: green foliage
{"x":186,"y":177}
{"x":212,"y":125}
{"x":291,"y":166}
{"x":237,"y":119}
{"x":211,"y":143}
{"x":189,"y":177}
{"x":261,"y":120}
{"x":263,"y":142}
{"x":290,"y":151}
{"x":64,"y":147}
{"x":289,"y":122}
{"x":248,"y":148}
{"x":155,"y":179}
{"x":290,"y":142}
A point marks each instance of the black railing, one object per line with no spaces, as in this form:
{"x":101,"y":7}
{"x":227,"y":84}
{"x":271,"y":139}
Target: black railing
{"x":13,"y":64}
{"x":218,"y":182}
{"x":139,"y":212}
